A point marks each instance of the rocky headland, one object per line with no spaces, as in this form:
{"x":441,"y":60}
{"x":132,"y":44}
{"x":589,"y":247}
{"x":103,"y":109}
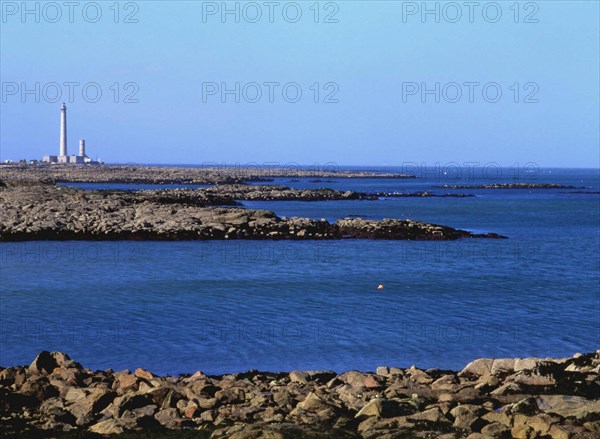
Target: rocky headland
{"x":490,"y":398}
{"x":510,"y":186}
{"x":36,"y":211}
{"x":174,"y":175}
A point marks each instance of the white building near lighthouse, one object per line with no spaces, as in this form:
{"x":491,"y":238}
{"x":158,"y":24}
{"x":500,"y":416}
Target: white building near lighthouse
{"x":63,"y":156}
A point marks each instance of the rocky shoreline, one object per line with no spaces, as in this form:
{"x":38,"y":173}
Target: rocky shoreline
{"x":34,"y":211}
{"x":175,"y":175}
{"x":511,"y":186}
{"x":490,"y":398}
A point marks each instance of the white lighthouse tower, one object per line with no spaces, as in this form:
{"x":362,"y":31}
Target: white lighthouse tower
{"x":62,"y":156}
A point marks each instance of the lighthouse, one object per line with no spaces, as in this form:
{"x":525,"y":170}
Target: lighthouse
{"x":63,"y":131}
{"x":62,"y":156}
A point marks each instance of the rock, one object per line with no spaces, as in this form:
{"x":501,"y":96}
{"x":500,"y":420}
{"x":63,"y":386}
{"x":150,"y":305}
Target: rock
{"x":374,"y":382}
{"x":507,"y":399}
{"x":46,"y":362}
{"x":433,"y":415}
{"x":169,"y":418}
{"x":446,"y":382}
{"x":527,"y":406}
{"x":107,"y":427}
{"x":131,"y":402}
{"x":502,"y":366}
{"x":466,"y":417}
{"x":354,"y":379}
{"x":568,"y":406}
{"x":231,"y":396}
{"x":383,"y":371}
{"x":522,"y":364}
{"x":500,"y":417}
{"x":557,"y":432}
{"x":495,"y":429}
{"x":126,"y":382}
{"x":373,"y":408}
{"x":383,"y":408}
{"x":419,"y":376}
{"x":481,"y":367}
{"x":541,"y":423}
{"x":523,"y":432}
{"x":192,"y":411}
{"x":141,"y":373}
{"x":39,"y":388}
{"x":298,"y":376}
{"x":85,"y":409}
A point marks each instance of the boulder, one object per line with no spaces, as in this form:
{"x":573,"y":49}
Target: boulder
{"x":107,"y":427}
{"x":568,"y":406}
{"x":142,"y":373}
{"x":384,"y":408}
{"x":298,"y":376}
{"x":86,"y":408}
{"x":46,"y":362}
{"x":169,"y":418}
{"x":130,"y":402}
{"x":38,"y":387}
{"x":481,"y":367}
{"x":466,"y":417}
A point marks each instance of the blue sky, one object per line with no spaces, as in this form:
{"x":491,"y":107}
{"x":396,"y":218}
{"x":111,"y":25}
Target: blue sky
{"x":368,"y":58}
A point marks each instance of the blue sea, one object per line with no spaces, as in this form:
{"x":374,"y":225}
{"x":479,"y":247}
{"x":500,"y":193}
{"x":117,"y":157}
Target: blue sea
{"x":228,"y":306}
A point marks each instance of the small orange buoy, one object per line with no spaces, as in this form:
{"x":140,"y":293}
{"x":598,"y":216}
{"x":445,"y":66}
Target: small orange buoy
{"x":380,"y":287}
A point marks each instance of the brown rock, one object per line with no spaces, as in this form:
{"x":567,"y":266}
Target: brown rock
{"x":500,"y":417}
{"x":383,"y":371}
{"x":46,"y":362}
{"x":142,"y":373}
{"x":478,"y":368}
{"x":298,"y":376}
{"x":207,"y":403}
{"x":86,"y":408}
{"x":192,"y":411}
{"x":541,"y":423}
{"x":125,"y":383}
{"x":374,"y":382}
{"x":232,"y":395}
{"x":557,"y":432}
{"x":523,"y":432}
{"x":418,"y":375}
{"x":168,"y":418}
{"x":466,"y":417}
{"x":527,"y":406}
{"x":525,"y":364}
{"x":107,"y":427}
{"x":495,"y":429}
{"x":433,"y":415}
{"x":502,"y":366}
{"x":39,"y":388}
{"x":567,"y":406}
{"x":446,"y":382}
{"x":353,"y":378}
{"x":130,"y":402}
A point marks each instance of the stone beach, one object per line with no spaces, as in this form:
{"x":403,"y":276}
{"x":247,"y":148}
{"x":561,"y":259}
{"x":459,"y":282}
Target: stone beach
{"x":502,"y":398}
